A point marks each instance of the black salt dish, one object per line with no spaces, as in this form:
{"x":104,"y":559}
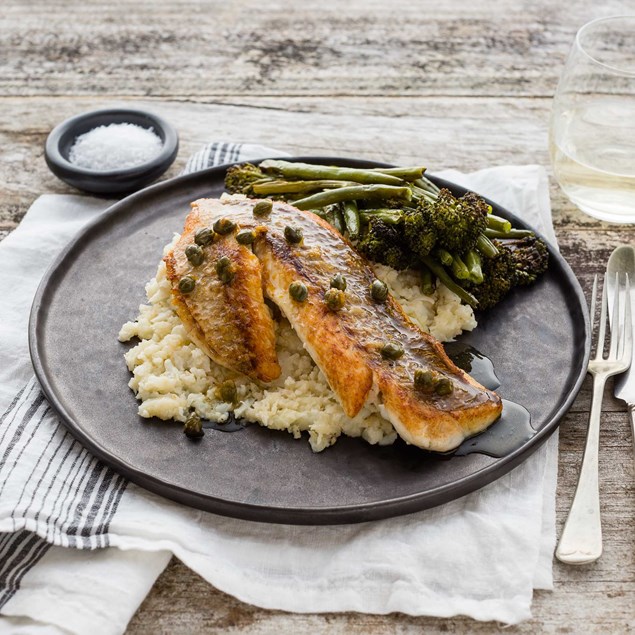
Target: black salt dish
{"x":109,"y":182}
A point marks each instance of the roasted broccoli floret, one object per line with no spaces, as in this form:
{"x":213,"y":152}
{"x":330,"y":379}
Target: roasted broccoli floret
{"x":383,"y":242}
{"x":240,"y":178}
{"x":499,"y":276}
{"x":457,"y":222}
{"x":420,"y":234}
{"x":530,"y":258}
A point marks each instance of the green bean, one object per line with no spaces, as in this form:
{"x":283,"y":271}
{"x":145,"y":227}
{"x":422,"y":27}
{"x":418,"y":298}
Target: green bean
{"x":338,"y":220}
{"x":445,"y":278}
{"x":407,"y":174}
{"x":354,"y":193}
{"x":351,"y":218}
{"x":389,"y":216}
{"x":427,"y":282}
{"x":512,"y":233}
{"x":473,"y":264}
{"x":426,"y":184}
{"x":459,"y":268}
{"x":499,"y":224}
{"x":444,"y":256}
{"x":296,"y":187}
{"x":306,"y":171}
{"x":486,"y":246}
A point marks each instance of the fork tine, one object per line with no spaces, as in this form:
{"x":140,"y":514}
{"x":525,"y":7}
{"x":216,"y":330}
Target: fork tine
{"x":627,"y":349}
{"x":599,"y":354}
{"x":617,"y":332}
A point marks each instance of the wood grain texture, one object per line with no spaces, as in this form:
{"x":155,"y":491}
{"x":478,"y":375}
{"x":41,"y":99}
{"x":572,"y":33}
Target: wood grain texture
{"x":463,"y":85}
{"x":286,"y":48}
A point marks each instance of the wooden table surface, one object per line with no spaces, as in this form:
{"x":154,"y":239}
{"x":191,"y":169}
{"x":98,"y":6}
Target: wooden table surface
{"x":453,"y":84}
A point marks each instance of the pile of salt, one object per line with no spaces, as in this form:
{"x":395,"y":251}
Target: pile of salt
{"x":115,"y":147}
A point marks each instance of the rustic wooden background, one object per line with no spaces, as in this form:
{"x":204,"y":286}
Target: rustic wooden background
{"x":454,"y":84}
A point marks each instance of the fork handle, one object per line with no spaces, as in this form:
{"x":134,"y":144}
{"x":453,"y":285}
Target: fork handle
{"x":581,"y":540}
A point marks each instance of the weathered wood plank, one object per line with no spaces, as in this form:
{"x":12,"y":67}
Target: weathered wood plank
{"x":466,"y":134}
{"x":219,"y":48}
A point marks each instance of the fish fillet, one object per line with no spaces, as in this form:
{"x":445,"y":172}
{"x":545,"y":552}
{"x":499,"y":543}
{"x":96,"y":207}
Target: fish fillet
{"x":230,"y":322}
{"x":345,"y":344}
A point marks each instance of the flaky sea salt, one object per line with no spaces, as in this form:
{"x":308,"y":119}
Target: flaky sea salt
{"x":115,"y":147}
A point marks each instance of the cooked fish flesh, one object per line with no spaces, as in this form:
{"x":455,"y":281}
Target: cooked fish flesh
{"x":230,"y":322}
{"x":368,"y":349}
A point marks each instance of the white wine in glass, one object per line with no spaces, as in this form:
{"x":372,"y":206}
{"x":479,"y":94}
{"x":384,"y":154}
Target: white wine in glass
{"x":592,"y":131}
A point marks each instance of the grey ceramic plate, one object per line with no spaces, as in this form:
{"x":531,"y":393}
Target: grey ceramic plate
{"x":537,"y":340}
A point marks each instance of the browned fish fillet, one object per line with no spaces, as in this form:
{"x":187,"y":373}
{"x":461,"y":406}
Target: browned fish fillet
{"x":230,"y":322}
{"x":346,"y":344}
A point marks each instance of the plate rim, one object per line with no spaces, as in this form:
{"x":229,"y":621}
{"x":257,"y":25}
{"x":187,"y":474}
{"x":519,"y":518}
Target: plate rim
{"x":362,"y":512}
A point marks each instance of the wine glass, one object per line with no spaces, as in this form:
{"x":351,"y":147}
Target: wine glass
{"x":592,"y":130}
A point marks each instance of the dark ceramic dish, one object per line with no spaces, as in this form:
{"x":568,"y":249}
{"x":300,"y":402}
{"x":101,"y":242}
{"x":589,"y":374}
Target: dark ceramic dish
{"x":110,"y":182}
{"x":537,"y":339}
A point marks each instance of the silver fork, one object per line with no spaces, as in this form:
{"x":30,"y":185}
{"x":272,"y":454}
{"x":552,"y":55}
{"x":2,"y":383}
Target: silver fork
{"x":581,"y":540}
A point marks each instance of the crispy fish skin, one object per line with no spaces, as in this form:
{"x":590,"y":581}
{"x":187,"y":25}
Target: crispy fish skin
{"x":230,"y":322}
{"x":346,"y":345}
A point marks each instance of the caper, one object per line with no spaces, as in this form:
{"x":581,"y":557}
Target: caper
{"x":224,"y":226}
{"x":425,"y":380}
{"x":444,"y":386}
{"x":335,"y":299}
{"x":187,"y":284}
{"x":262,"y":208}
{"x":293,"y":235}
{"x":204,"y":236}
{"x":298,"y":291}
{"x":194,"y":254}
{"x":338,"y":282}
{"x":246,"y":236}
{"x":378,"y":291}
{"x":224,"y":270}
{"x":227,"y":391}
{"x":193,"y":427}
{"x":222,"y":263}
{"x":390,"y":350}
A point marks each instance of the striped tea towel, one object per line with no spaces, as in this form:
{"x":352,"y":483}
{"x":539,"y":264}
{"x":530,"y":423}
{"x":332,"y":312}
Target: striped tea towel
{"x":80,"y":547}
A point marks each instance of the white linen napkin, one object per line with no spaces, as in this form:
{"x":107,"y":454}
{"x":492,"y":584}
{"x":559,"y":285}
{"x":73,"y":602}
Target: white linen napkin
{"x":480,"y":556}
